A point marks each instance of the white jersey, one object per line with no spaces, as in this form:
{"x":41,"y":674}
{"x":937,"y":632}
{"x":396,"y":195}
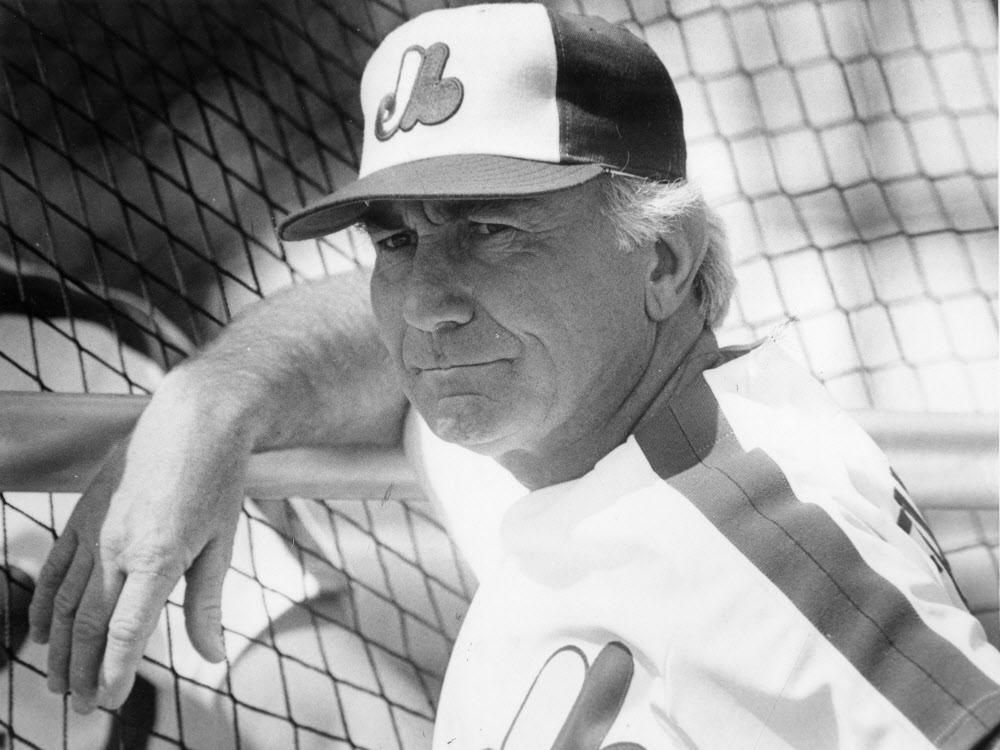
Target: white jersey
{"x":744,"y":571}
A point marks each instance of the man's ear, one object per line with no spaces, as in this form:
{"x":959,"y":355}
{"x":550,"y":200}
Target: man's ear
{"x":674,"y":261}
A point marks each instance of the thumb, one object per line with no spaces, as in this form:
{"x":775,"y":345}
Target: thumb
{"x":203,"y":598}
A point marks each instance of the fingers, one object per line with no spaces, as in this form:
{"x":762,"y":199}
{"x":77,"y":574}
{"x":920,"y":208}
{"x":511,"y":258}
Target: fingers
{"x":64,"y":581}
{"x":97,"y":622}
{"x":63,"y":608}
{"x":97,"y":605}
{"x":49,"y":582}
{"x":100,"y":624}
{"x":89,"y":628}
{"x":140,"y":602}
{"x":203,"y":599}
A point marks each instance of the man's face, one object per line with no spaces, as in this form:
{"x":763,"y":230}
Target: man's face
{"x":512,"y":323}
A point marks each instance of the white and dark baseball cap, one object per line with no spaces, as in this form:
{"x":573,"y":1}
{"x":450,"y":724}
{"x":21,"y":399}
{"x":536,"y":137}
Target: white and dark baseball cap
{"x":501,"y":101}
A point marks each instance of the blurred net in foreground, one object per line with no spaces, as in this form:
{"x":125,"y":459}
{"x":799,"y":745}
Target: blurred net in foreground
{"x":145,"y":148}
{"x":339,"y":644}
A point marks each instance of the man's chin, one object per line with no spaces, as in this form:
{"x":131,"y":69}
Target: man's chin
{"x":472,"y":421}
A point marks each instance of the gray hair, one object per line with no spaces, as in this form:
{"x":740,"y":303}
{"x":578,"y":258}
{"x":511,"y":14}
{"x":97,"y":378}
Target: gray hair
{"x":641,"y":211}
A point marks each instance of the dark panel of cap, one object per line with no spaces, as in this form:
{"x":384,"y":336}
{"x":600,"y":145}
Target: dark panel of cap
{"x":632,"y":119}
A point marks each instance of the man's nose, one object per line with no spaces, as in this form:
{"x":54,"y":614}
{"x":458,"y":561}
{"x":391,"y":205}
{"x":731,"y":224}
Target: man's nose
{"x":435,"y":298}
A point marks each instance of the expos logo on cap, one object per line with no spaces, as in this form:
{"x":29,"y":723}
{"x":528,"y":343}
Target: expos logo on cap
{"x":421,"y":94}
{"x":503,"y":100}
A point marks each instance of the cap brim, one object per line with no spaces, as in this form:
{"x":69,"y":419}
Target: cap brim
{"x":458,"y":177}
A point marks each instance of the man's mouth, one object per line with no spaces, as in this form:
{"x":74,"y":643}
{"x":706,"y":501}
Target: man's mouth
{"x":445,"y":367}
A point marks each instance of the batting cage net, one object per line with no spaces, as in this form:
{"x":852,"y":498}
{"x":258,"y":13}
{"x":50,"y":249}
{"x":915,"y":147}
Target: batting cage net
{"x":146,"y":149}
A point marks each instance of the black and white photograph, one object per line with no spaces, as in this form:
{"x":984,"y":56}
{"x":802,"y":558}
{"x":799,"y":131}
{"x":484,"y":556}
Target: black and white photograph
{"x":454,"y":375}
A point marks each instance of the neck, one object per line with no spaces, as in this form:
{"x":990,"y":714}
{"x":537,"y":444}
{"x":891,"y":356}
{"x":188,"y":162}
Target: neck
{"x":680,"y":351}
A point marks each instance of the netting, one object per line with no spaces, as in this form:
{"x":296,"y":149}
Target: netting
{"x":146,"y":147}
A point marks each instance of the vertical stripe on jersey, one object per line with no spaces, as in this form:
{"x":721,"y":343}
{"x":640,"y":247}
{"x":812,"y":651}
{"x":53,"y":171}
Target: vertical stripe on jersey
{"x":803,"y":551}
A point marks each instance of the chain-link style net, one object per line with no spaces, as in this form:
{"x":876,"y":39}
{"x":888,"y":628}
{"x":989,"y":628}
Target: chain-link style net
{"x":146,"y":148}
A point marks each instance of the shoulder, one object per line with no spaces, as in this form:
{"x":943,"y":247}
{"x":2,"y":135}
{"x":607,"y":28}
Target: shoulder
{"x":799,"y":491}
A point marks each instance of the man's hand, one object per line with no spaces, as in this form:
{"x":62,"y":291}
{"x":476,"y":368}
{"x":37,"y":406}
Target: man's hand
{"x":303,"y":367}
{"x":164,"y":505}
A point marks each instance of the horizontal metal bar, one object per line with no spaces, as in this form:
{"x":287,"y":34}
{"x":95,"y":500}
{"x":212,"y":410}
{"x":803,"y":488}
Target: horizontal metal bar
{"x":936,"y":431}
{"x":54,"y":442}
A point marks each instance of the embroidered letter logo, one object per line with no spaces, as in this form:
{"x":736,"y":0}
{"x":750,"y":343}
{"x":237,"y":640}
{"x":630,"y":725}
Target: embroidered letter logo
{"x":572,"y":705}
{"x":421,"y":94}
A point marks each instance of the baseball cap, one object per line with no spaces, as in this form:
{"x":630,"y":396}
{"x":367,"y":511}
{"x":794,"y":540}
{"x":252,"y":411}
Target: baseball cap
{"x":500,"y":101}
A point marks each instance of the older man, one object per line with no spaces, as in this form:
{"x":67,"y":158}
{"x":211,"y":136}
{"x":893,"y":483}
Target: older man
{"x":709,"y":554}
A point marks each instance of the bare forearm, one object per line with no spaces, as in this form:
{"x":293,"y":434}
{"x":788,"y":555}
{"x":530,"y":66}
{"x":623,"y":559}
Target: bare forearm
{"x":303,"y":367}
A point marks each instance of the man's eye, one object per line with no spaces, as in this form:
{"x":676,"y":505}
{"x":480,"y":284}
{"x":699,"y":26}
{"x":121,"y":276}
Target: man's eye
{"x":487,"y":228}
{"x":397,"y":241}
